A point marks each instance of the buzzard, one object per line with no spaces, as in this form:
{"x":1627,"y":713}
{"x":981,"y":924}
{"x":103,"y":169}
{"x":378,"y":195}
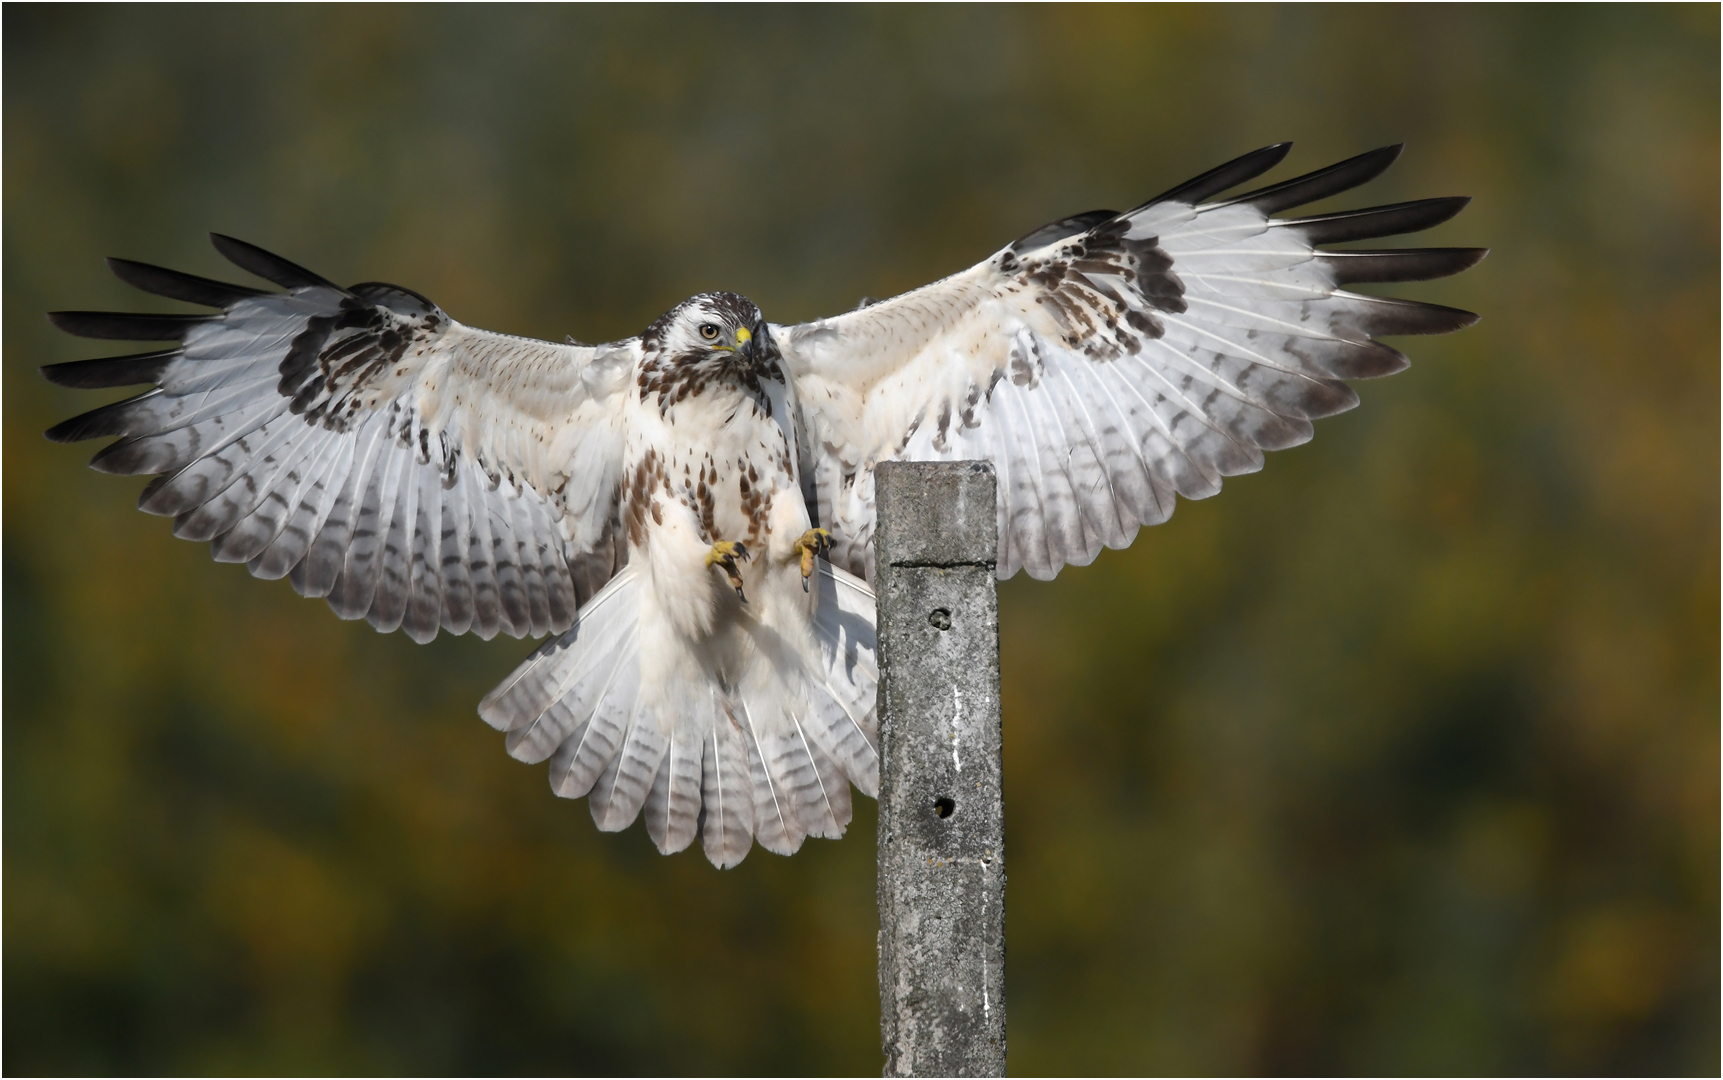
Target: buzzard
{"x":690,"y":512}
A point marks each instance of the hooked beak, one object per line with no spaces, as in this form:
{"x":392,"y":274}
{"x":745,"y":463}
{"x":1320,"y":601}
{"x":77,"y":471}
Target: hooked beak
{"x":752,"y":345}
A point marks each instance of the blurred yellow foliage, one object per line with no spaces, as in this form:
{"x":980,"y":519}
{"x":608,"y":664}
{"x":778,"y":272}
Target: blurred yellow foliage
{"x":1401,"y":757}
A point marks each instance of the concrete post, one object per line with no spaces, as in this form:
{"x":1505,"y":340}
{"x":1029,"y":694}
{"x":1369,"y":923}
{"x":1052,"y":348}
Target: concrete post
{"x":941,"y":795}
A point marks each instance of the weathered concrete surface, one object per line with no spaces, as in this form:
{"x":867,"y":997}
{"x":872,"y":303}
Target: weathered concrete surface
{"x":941,"y":796}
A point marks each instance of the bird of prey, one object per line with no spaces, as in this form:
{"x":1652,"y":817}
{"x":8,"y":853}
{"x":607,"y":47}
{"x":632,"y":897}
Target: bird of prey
{"x":690,"y":512}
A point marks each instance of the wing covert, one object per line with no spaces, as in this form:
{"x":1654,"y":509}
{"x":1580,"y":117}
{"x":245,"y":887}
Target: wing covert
{"x":1108,"y":362}
{"x":412,"y":470}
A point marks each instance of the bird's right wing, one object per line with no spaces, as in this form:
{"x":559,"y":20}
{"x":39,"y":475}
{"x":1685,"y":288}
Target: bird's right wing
{"x":414,"y":471}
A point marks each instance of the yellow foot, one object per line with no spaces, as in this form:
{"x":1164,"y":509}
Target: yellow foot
{"x":813,"y":542}
{"x":725,"y":553}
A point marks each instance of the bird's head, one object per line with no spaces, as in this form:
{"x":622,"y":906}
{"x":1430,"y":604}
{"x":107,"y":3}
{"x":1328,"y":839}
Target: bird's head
{"x":719,"y":332}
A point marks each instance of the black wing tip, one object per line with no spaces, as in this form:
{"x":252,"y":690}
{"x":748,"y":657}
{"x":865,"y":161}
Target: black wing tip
{"x":1231,"y":174}
{"x":1320,"y":184}
{"x":1375,"y":222}
{"x":267,"y":265}
{"x":1437,"y":210}
{"x":1386,"y":317}
{"x":126,"y":269}
{"x":1461,"y":259}
{"x":110,"y":371}
{"x":126,"y":326}
{"x":1263,"y":157}
{"x":1383,"y":156}
{"x":1399,"y":264}
{"x":1379,"y":158}
{"x":90,"y":425}
{"x":60,"y":433}
{"x":65,"y":320}
{"x":176,"y":285}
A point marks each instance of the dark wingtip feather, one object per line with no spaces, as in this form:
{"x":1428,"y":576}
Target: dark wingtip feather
{"x":126,"y":326}
{"x":255,"y":260}
{"x":110,"y":371}
{"x":1375,"y":222}
{"x":1218,"y":179}
{"x":1381,"y":316}
{"x":1342,"y":176}
{"x":179,"y":286}
{"x":113,"y":419}
{"x":1405,"y":264}
{"x":63,"y":432}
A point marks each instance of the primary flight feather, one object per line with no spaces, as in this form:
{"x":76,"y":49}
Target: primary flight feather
{"x":691,"y":510}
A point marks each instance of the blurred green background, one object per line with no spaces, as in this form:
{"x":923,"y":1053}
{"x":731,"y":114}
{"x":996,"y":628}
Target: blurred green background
{"x":1399,"y":757}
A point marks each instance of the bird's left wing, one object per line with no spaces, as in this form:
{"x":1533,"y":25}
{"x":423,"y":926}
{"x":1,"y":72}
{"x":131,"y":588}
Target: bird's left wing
{"x":412,"y":470}
{"x":1105,"y":362}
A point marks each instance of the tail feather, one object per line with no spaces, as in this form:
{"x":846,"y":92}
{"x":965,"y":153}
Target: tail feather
{"x":577,"y":763}
{"x":775,"y":823}
{"x":770,"y":759}
{"x":622,"y":788}
{"x":673,"y":807}
{"x":577,"y":694}
{"x":822,"y":794}
{"x":727,"y":813}
{"x":850,"y":739}
{"x":607,"y":622}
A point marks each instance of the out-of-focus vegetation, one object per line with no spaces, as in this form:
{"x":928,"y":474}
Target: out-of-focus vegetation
{"x":1399,"y":757}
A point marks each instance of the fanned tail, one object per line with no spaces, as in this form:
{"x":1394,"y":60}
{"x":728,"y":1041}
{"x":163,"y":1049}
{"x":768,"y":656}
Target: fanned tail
{"x":809,"y":738}
{"x":769,"y":758}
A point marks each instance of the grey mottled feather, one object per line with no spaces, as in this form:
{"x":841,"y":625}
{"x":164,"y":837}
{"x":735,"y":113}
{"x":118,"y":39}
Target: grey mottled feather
{"x":1105,"y":363}
{"x":357,"y":441}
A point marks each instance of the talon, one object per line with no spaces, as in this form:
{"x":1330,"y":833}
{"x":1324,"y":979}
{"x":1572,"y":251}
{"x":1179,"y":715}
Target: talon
{"x":725,"y":553}
{"x":813,"y":542}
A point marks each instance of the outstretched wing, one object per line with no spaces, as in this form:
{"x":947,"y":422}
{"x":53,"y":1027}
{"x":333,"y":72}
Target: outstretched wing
{"x":1105,"y":362}
{"x":412,"y":470}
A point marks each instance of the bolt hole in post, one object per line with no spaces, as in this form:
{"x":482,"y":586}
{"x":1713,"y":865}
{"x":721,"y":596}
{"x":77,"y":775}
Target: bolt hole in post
{"x":941,"y":885}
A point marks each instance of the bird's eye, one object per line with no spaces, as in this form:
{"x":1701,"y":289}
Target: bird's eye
{"x":709,"y":331}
